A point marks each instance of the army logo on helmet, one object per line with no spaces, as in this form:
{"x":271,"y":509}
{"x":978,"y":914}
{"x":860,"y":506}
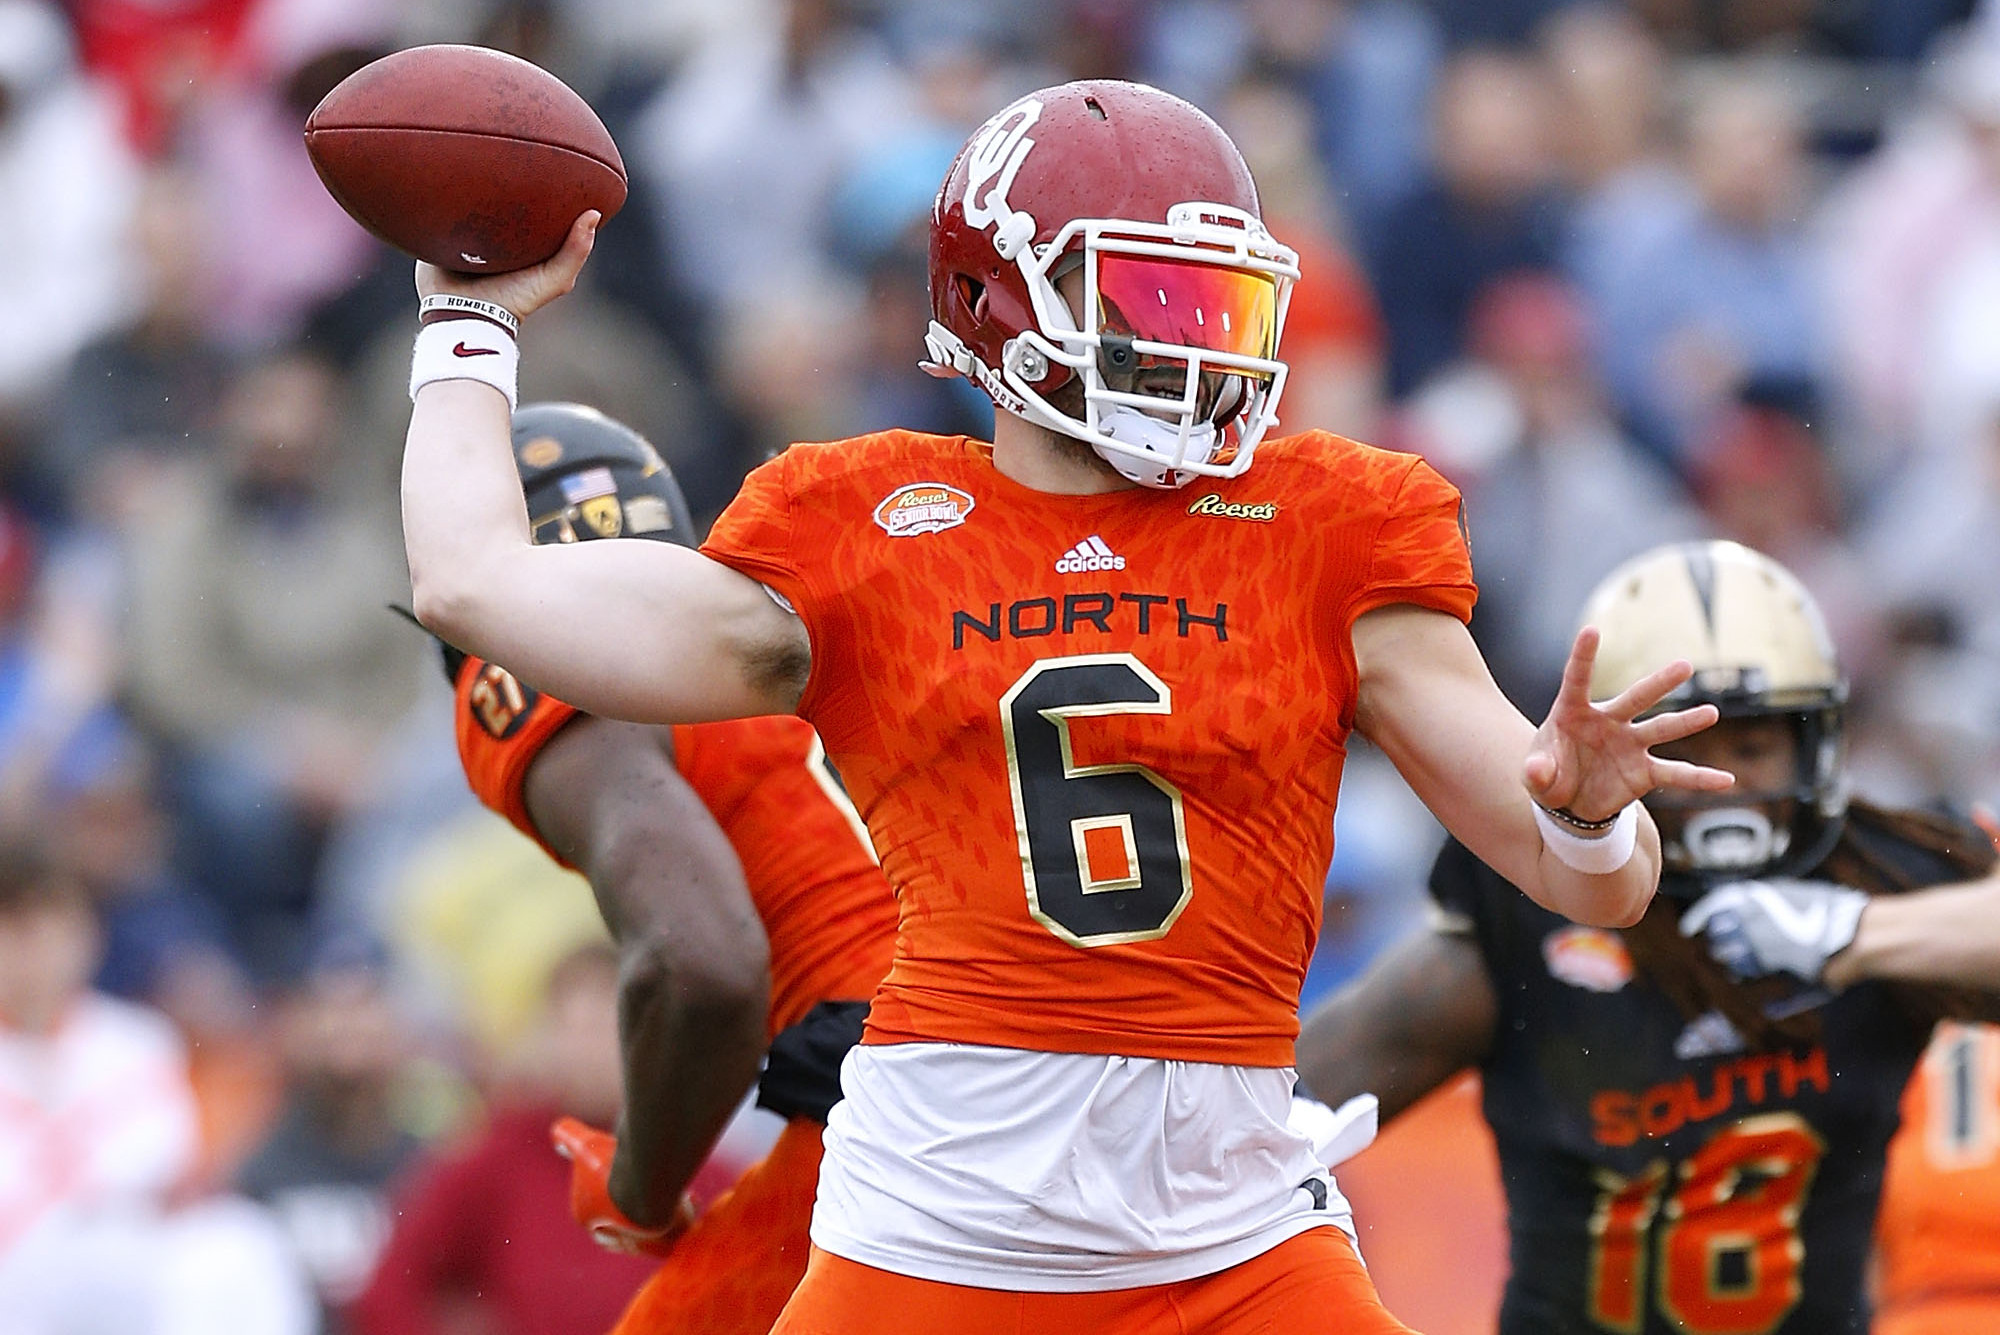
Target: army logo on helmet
{"x":585,"y":476}
{"x":603,"y":516}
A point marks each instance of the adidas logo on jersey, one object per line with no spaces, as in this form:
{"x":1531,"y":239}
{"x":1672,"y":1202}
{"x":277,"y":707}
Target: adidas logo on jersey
{"x":1710,"y":1036}
{"x":1090,"y":554}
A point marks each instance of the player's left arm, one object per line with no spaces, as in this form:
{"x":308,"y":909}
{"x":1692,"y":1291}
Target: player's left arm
{"x":1427,"y":699}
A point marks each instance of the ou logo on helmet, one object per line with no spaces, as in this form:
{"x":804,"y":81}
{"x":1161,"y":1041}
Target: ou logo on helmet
{"x":996,"y":157}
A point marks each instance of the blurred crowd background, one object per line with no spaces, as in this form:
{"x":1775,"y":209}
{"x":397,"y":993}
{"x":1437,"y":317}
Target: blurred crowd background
{"x":1624,"y":273}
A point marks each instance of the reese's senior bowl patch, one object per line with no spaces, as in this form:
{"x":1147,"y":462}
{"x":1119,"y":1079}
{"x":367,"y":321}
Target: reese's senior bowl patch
{"x":922,"y":507}
{"x":1588,"y":957}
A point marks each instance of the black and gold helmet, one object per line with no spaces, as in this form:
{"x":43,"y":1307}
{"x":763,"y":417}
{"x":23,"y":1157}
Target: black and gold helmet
{"x":588,"y":476}
{"x":1760,"y":648}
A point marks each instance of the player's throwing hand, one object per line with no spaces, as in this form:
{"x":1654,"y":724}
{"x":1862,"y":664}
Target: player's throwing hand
{"x":523,"y":291}
{"x":1590,"y":761}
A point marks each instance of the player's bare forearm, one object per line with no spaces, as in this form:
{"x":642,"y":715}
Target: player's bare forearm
{"x":1428,"y":701}
{"x":1422,"y":1013}
{"x":694,"y":985}
{"x":690,"y":1056}
{"x":1949,"y":934}
{"x":463,"y":513}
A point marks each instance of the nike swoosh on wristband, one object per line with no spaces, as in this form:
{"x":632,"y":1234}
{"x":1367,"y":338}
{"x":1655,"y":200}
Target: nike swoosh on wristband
{"x":462,"y":351}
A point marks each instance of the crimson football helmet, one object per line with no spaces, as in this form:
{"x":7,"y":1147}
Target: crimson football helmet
{"x":1170,"y":368}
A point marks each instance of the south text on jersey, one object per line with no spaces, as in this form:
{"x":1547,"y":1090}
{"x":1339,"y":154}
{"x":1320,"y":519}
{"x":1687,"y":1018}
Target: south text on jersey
{"x":1622,"y":1116}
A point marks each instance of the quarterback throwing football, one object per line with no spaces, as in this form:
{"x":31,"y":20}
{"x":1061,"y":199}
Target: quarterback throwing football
{"x":1090,"y":686}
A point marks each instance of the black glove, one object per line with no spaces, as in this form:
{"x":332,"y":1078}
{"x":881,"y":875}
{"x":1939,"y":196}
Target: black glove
{"x":802,"y":1074}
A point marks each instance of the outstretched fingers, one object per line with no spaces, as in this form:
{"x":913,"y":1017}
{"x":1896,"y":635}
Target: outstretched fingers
{"x":1648,"y":691}
{"x":1671,"y":727}
{"x":1686,"y":777}
{"x":1575,"y":692}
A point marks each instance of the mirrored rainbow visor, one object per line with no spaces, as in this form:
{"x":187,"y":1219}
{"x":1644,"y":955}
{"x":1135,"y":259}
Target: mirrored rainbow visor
{"x":1190,"y":304}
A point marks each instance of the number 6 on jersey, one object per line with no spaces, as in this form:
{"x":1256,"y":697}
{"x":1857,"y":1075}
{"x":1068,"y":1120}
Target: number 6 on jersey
{"x":1103,"y":847}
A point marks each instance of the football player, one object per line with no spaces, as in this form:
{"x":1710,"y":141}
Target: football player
{"x":1692,"y":1113}
{"x":1090,"y":686}
{"x":1938,"y":1239}
{"x":747,"y":905}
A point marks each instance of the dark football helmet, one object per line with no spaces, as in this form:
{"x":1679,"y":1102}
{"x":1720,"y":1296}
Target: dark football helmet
{"x":1760,"y":648}
{"x":588,"y":476}
{"x":1172,"y":369}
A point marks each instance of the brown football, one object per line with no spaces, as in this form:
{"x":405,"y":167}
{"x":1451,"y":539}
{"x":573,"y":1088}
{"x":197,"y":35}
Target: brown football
{"x":470,"y":158}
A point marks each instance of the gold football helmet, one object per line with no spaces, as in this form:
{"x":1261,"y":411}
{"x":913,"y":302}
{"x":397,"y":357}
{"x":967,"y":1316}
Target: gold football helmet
{"x":1760,"y":648}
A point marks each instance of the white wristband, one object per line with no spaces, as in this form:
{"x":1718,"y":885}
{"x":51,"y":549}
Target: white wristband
{"x":466,"y":350}
{"x":1593,"y":857}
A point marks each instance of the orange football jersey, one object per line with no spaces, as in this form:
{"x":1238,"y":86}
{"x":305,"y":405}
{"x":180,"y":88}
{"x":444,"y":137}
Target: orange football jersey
{"x":1097,"y":739}
{"x":823,"y":901}
{"x":1938,"y":1232}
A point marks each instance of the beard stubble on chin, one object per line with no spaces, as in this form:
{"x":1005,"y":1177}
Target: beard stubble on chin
{"x":1067,"y":399}
{"x":1077,"y":453}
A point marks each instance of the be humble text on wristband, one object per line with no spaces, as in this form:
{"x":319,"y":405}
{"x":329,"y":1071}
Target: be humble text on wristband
{"x":450,"y":306}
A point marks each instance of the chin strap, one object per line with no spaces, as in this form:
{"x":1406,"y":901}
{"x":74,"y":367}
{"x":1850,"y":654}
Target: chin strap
{"x":948,"y":354}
